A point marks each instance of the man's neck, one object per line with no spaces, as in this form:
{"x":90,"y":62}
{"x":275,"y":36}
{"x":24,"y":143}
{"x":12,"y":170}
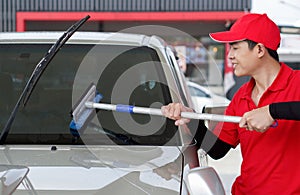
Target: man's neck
{"x":266,"y":75}
{"x":264,"y":79}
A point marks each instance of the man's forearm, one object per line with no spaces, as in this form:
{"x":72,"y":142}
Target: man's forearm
{"x":285,"y":110}
{"x":210,"y":143}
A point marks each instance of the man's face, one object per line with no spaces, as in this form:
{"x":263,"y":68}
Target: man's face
{"x":242,"y":58}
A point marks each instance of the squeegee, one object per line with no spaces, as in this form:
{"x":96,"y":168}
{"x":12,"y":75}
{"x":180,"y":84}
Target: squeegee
{"x":90,"y":101}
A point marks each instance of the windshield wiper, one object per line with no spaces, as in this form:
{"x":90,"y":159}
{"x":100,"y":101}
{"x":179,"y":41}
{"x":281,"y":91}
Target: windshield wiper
{"x":37,"y":72}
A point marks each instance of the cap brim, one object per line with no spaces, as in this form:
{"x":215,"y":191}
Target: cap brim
{"x":226,"y":37}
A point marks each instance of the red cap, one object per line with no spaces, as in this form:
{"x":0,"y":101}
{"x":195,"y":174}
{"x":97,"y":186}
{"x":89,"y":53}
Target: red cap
{"x":255,"y":27}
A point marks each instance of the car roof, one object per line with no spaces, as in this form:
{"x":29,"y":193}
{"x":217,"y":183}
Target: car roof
{"x":83,"y":38}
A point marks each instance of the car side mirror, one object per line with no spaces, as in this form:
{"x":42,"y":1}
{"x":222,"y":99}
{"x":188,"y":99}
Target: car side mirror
{"x":11,"y":176}
{"x":204,"y":181}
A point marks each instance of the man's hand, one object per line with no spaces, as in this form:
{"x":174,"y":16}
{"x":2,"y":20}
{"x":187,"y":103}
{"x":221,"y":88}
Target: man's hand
{"x":258,"y":120}
{"x":173,"y":111}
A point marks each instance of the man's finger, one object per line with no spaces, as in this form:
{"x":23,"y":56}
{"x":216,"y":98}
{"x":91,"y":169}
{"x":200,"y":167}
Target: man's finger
{"x":243,"y":123}
{"x":182,"y":121}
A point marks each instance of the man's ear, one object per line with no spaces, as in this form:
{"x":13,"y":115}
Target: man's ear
{"x":261,"y":50}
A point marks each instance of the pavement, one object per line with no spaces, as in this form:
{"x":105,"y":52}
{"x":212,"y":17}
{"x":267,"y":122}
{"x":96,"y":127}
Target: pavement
{"x":228,"y":167}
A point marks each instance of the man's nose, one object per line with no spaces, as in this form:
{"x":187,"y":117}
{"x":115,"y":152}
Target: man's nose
{"x":230,"y":55}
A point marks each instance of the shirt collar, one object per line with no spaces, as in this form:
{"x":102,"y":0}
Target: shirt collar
{"x":282,"y":78}
{"x":278,"y":84}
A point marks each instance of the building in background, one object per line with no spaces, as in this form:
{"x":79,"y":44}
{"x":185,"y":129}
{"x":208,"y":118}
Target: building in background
{"x":183,"y":24}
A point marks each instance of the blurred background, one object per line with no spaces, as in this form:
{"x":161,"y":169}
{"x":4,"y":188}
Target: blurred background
{"x":185,"y":25}
{"x":202,"y":60}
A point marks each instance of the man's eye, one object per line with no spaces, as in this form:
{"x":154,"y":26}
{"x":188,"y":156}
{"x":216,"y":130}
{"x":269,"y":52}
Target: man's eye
{"x":233,"y":47}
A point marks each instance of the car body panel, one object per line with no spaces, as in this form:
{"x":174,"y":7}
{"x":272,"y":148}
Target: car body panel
{"x":92,"y":165}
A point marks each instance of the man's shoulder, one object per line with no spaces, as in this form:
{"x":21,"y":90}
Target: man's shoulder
{"x":288,"y":68}
{"x":295,"y":74}
{"x":288,"y":72}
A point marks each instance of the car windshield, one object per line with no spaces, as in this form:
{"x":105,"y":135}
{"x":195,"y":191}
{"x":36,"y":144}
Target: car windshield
{"x":46,"y":117}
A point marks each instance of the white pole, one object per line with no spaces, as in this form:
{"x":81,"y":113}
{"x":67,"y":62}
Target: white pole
{"x":156,"y":111}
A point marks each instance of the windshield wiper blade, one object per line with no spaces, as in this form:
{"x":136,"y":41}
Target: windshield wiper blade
{"x":41,"y":66}
{"x":37,"y":72}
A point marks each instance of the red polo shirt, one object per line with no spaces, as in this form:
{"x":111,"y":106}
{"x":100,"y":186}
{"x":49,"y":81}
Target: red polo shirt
{"x":271,"y":160}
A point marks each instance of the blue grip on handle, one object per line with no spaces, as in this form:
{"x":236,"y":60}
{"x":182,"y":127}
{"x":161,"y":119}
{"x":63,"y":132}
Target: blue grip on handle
{"x":275,"y":124}
{"x":124,"y":108}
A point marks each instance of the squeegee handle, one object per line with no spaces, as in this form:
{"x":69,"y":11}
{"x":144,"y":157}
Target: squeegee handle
{"x":211,"y":117}
{"x":156,"y":111}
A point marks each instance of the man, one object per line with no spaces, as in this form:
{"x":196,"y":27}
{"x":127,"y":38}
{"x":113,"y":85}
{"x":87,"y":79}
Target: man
{"x":271,"y":164}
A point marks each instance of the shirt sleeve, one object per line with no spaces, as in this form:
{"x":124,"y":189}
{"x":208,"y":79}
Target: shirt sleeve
{"x":285,"y":110}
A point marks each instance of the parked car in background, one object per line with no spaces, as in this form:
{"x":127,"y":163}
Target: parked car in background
{"x":115,"y":153}
{"x":202,"y":96}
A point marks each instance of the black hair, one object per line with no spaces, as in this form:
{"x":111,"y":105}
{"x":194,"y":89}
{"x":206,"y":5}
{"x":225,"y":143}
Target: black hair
{"x":273,"y":53}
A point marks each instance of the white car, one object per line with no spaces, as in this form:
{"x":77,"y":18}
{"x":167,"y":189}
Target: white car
{"x":115,"y":153}
{"x":202,"y":96}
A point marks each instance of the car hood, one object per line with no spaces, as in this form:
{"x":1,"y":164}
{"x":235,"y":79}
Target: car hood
{"x":94,"y":169}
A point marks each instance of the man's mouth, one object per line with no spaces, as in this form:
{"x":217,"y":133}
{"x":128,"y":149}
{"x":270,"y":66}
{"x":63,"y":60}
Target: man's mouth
{"x":234,"y":65}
